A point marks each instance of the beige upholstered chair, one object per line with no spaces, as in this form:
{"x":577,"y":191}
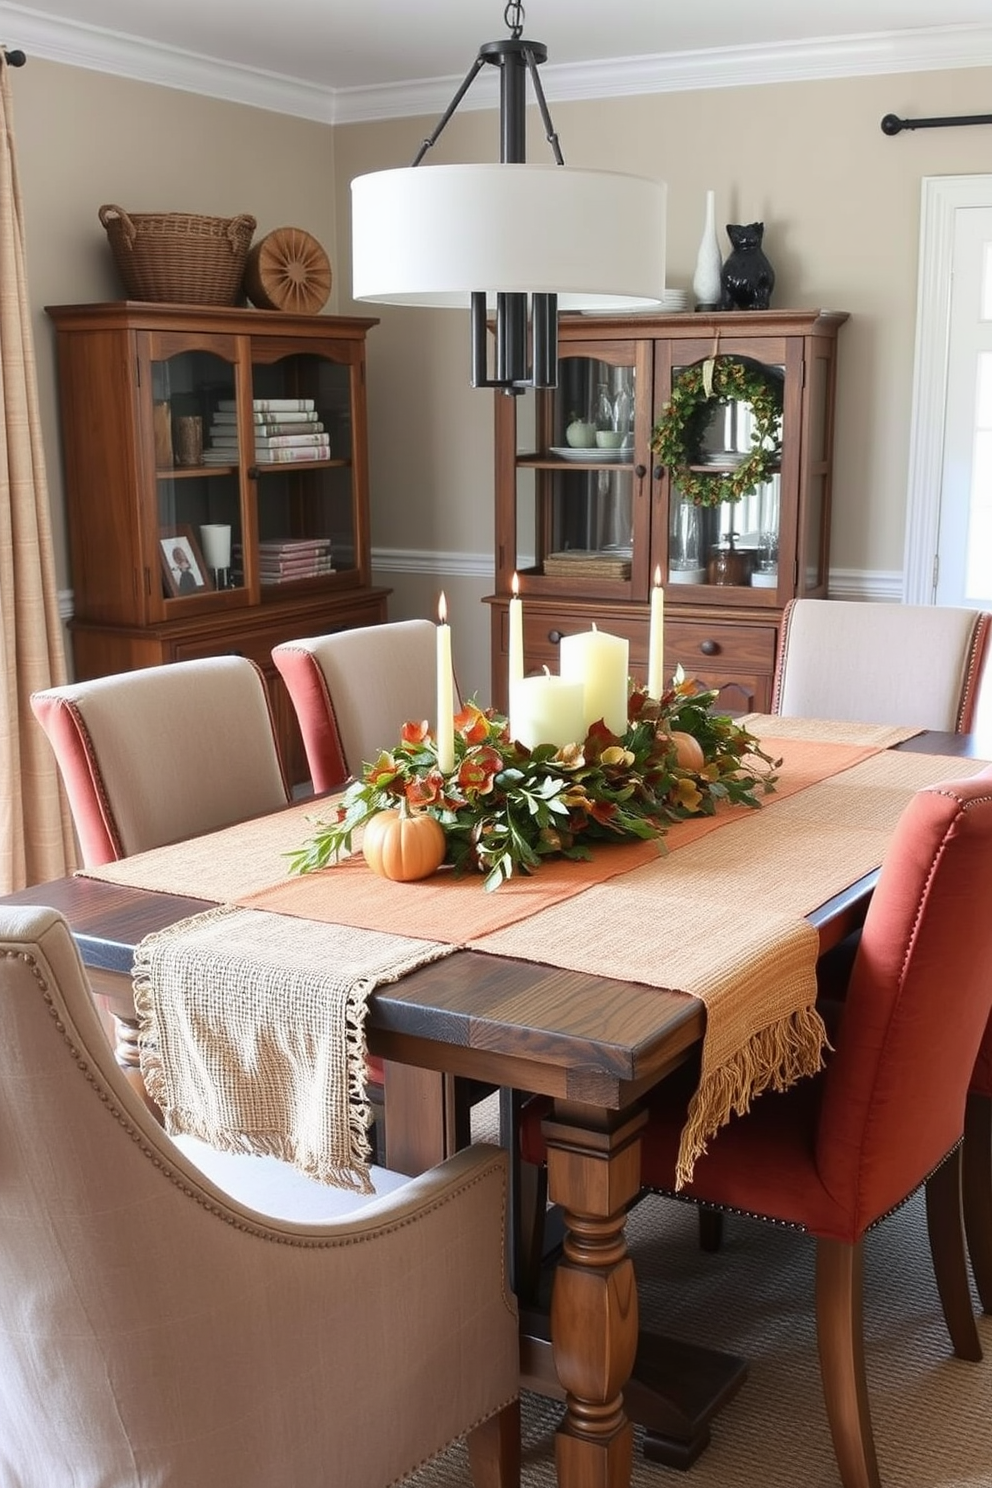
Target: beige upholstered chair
{"x":163,"y":753}
{"x":156,"y":1328}
{"x":354,"y":690}
{"x":880,"y":663}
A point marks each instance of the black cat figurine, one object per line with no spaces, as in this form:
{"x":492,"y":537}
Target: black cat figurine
{"x":747,"y":277}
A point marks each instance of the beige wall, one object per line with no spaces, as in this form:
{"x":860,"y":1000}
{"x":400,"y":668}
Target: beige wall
{"x":839,"y":199}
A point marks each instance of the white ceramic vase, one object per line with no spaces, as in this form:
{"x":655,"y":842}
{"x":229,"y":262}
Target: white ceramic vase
{"x":706,"y":283}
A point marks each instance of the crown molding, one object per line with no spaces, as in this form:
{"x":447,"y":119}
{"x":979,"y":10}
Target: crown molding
{"x":925,"y":49}
{"x":79,"y":45}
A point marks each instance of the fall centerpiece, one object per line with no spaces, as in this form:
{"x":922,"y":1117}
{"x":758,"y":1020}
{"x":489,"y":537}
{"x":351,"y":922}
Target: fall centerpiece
{"x":504,"y":808}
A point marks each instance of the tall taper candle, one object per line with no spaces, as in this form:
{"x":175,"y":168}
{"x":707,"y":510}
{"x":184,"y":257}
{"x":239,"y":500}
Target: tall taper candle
{"x":516,"y":634}
{"x":445,"y":692}
{"x":656,"y":639}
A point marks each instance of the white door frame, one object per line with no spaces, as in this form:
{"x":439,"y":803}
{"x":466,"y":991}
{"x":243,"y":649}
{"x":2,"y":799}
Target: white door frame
{"x":942,"y":197}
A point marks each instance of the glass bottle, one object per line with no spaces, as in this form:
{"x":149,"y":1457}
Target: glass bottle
{"x":686,"y":564}
{"x":602,"y":415}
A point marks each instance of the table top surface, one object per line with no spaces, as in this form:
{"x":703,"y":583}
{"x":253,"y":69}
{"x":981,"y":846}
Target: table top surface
{"x":561,"y":1033}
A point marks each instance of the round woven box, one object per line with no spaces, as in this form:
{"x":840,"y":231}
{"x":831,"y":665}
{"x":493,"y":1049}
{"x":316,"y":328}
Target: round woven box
{"x":179,"y":257}
{"x":288,"y":270}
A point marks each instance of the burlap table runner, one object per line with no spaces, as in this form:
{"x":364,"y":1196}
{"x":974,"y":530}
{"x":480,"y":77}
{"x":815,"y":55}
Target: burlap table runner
{"x":722,"y":918}
{"x":246,"y":864}
{"x":253,"y":1039}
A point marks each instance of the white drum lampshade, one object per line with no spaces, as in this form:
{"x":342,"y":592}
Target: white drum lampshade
{"x":433,"y":235}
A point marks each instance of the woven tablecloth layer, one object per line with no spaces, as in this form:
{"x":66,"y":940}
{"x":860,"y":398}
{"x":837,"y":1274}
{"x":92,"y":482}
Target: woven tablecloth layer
{"x":721,"y":916}
{"x":246,"y":864}
{"x":253,"y":1039}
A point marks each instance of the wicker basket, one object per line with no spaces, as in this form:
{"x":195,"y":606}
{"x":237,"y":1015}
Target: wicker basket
{"x":178,"y":257}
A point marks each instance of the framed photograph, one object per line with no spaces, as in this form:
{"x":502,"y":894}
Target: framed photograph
{"x":183,"y":568}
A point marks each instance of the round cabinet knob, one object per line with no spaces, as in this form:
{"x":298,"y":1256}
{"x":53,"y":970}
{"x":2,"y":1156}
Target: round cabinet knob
{"x":658,"y":472}
{"x":554,"y":636}
{"x":640,"y":471}
{"x":710,"y":648}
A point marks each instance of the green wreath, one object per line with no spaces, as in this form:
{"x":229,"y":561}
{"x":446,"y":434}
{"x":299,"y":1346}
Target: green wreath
{"x":677,"y":436}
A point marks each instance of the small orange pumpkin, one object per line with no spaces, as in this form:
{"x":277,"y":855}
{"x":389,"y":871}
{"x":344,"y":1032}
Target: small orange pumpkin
{"x":402,"y":846}
{"x":688,"y":751}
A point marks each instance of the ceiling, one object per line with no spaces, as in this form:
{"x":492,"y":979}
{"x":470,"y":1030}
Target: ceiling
{"x":367,"y":58}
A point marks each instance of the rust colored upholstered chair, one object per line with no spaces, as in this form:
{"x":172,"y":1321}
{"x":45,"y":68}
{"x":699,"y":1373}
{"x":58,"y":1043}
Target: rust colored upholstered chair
{"x":836,"y":1153}
{"x":233,"y":1324}
{"x":163,"y":753}
{"x":880,"y":663}
{"x":354,"y":690}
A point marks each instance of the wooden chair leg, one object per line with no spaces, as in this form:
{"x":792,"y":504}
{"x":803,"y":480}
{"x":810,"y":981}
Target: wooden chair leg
{"x":977,"y":1180}
{"x":494,"y":1450}
{"x":530,"y":1246}
{"x":950,"y":1261}
{"x":840,"y":1340}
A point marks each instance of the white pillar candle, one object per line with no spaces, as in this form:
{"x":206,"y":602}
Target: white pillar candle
{"x":547,"y":710}
{"x":445,"y":693}
{"x":600,"y":662}
{"x":656,"y":639}
{"x":516,"y":634}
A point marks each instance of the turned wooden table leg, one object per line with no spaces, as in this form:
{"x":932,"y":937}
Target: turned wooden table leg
{"x":594,"y":1170}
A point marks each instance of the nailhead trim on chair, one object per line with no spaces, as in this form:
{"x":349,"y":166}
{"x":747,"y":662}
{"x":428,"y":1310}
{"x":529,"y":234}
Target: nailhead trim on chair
{"x":175,"y":1178}
{"x":791,"y":1224}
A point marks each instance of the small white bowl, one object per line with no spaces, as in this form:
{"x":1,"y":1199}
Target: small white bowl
{"x":607,"y":439}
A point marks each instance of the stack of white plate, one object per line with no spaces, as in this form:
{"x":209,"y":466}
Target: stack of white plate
{"x":676,"y":299}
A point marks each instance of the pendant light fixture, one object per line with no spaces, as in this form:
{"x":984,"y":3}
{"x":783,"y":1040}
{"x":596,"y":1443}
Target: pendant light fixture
{"x":509,"y":237}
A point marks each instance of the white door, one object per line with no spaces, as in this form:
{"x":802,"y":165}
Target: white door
{"x":963,"y":568}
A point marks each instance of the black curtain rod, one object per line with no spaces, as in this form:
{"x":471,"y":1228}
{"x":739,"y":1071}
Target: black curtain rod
{"x":892,"y":124}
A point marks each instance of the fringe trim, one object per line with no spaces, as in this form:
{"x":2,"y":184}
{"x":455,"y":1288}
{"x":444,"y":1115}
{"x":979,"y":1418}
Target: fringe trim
{"x":355,"y":1178}
{"x":773,"y":1058}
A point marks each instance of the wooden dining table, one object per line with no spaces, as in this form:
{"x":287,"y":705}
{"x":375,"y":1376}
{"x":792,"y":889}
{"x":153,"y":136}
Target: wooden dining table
{"x":595,"y":1045}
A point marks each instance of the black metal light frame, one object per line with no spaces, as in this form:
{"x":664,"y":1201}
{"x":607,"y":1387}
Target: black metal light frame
{"x":516,"y":58}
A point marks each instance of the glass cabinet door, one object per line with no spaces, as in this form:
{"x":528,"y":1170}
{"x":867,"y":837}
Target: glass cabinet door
{"x":581,"y":475}
{"x":198,"y":516}
{"x":725,"y":544}
{"x":302,"y":416}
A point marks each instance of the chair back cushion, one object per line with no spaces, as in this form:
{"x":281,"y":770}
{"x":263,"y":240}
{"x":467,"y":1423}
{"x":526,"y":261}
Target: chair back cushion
{"x":917,"y":1005}
{"x":354,"y":690}
{"x":166,"y":752}
{"x":880,"y":663}
{"x":155,"y":1332}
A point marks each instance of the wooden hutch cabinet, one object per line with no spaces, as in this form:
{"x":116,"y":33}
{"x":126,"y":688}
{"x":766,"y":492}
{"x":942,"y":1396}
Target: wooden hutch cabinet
{"x":160,"y":407}
{"x":586,"y":529}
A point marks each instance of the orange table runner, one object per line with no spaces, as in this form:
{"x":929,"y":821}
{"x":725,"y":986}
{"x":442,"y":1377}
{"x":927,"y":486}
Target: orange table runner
{"x":246,"y":864}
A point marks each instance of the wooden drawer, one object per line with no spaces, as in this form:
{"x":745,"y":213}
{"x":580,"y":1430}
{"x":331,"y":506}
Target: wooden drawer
{"x":728,"y":647}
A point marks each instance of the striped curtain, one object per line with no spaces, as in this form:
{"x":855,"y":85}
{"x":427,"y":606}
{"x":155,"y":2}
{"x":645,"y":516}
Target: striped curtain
{"x":35,"y":829}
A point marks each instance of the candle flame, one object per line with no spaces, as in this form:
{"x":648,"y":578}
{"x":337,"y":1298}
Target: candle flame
{"x":547,"y":671}
{"x":515,"y":585}
{"x":442,"y":609}
{"x":657,"y":577}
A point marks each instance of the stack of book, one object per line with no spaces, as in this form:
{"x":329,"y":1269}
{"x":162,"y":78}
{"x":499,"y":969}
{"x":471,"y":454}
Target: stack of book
{"x":286,"y":430}
{"x":283,"y":559}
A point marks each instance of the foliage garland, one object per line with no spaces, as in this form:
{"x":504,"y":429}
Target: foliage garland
{"x":677,"y":435}
{"x":505,"y":808}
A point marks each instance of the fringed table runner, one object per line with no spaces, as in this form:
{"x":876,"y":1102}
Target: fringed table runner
{"x":725,"y":920}
{"x":253,"y":1038}
{"x":721,"y":918}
